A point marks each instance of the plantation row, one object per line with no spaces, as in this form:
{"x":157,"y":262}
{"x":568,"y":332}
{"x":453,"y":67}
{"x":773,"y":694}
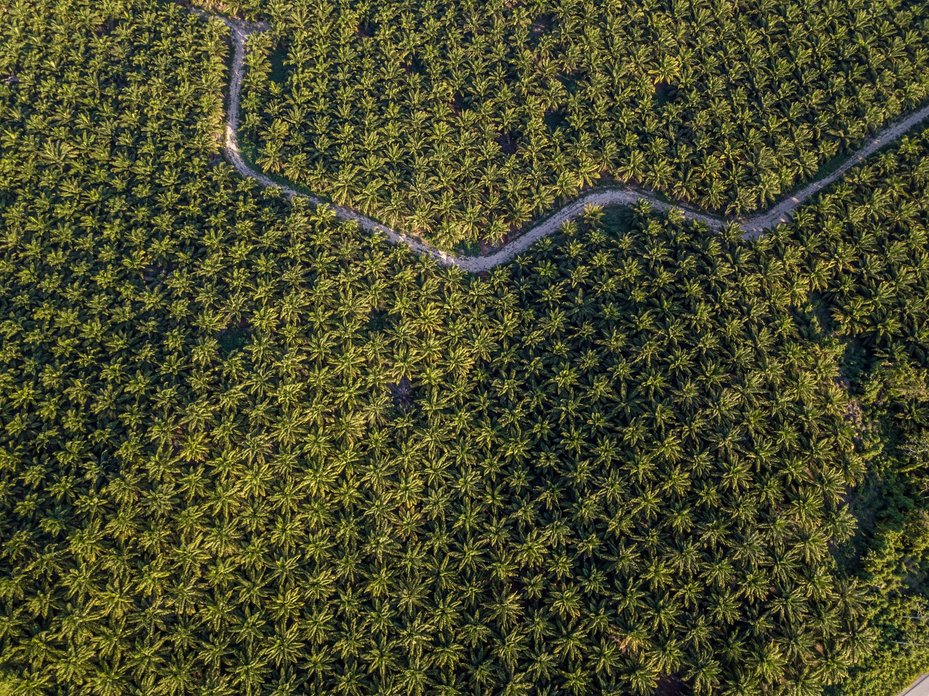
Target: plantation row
{"x":246,"y":449}
{"x":464,"y":121}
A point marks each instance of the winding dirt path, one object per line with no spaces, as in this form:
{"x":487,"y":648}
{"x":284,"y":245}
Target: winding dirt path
{"x":920,"y":687}
{"x":752,"y":226}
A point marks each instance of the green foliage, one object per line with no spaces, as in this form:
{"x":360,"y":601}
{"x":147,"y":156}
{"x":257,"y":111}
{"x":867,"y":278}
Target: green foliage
{"x":865,"y":245}
{"x":247,"y":449}
{"x":897,"y":570}
{"x":463,"y":121}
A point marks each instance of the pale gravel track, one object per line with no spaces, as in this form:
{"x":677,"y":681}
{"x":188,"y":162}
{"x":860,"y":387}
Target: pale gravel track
{"x":920,"y":687}
{"x":752,"y":226}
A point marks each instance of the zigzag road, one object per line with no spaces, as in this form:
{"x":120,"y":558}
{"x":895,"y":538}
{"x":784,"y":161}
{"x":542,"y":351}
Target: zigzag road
{"x":752,"y":226}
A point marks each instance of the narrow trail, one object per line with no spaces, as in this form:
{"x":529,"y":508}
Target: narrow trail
{"x":752,"y":226}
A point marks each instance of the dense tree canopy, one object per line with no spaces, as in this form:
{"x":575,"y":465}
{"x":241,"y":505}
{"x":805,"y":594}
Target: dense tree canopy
{"x":464,"y":120}
{"x":248,"y":449}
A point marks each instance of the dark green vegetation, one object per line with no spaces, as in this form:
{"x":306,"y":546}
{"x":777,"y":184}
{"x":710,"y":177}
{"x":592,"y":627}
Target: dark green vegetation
{"x":463,"y":120}
{"x":245,"y":449}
